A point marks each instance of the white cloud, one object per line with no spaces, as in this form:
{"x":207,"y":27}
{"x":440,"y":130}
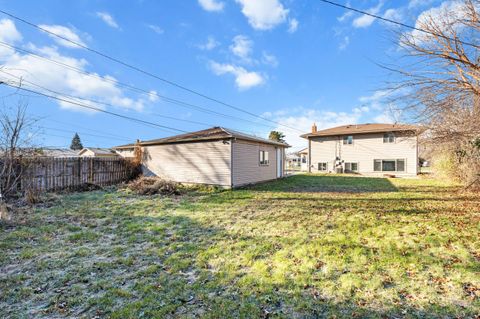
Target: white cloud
{"x":345,"y":42}
{"x":412,"y":4}
{"x":9,"y":32}
{"x":389,"y":115}
{"x":61,"y":79}
{"x":292,"y":25}
{"x":242,"y":47}
{"x":64,"y":32}
{"x":211,"y":5}
{"x":153,"y":97}
{"x":383,"y":118}
{"x":346,"y":15}
{"x":210,"y":44}
{"x":393,"y":14}
{"x":382,"y":102}
{"x":377,"y":100}
{"x":264,"y":14}
{"x":269,"y":59}
{"x":243,"y":79}
{"x":303,"y":118}
{"x":108,"y":19}
{"x":156,"y":28}
{"x":445,"y":14}
{"x":365,"y":21}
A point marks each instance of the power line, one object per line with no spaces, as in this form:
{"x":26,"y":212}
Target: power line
{"x":396,"y":22}
{"x":150,"y":74}
{"x":131,"y":87}
{"x":86,"y":134}
{"x":98,"y":102}
{"x":86,"y":128}
{"x":60,"y":136}
{"x":163,"y":127}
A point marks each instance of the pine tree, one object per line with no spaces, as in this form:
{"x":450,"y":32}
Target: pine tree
{"x":76,"y":143}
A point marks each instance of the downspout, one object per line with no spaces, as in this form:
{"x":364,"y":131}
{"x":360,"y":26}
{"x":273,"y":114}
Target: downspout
{"x":309,"y":155}
{"x":417,"y":165}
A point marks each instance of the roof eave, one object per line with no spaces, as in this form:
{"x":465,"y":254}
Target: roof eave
{"x":319,"y":134}
{"x":186,"y":141}
{"x":262,"y":141}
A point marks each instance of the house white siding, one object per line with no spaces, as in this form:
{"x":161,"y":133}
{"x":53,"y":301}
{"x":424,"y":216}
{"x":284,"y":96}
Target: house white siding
{"x":246,"y":162}
{"x":203,"y":162}
{"x":364,"y":150}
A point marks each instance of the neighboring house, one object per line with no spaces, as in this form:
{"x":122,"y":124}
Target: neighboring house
{"x":370,"y":149}
{"x":44,"y":152}
{"x":303,"y":159}
{"x":57,"y":152}
{"x":97,"y":152}
{"x":292,"y":161}
{"x":298,"y":160}
{"x":215,"y":156}
{"x":127,"y":151}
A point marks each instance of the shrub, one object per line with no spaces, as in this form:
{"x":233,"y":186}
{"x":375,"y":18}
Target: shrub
{"x":154,"y":185}
{"x":445,"y":166}
{"x":459,"y":163}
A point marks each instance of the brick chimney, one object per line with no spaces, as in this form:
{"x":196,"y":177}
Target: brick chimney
{"x":314,"y":128}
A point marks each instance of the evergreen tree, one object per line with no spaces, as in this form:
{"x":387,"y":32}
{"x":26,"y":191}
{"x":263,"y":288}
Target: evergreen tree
{"x":277,"y":136}
{"x":76,"y":143}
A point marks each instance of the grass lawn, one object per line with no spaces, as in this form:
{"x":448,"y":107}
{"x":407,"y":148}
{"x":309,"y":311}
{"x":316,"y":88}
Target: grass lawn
{"x":307,"y":246}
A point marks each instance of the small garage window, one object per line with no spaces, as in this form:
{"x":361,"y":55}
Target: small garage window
{"x":264,"y":158}
{"x":322,"y":167}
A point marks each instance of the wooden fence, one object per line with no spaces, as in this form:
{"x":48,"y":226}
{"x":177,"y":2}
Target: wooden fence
{"x":51,"y":174}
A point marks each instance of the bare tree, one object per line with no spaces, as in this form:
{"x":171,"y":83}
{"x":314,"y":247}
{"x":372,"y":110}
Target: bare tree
{"x":15,"y":144}
{"x":440,"y":85}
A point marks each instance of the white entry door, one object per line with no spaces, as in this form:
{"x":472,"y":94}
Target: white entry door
{"x":279,"y":162}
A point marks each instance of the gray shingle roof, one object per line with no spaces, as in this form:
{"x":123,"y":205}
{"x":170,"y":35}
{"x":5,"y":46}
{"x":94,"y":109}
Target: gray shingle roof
{"x":362,"y":129}
{"x":214,"y":133}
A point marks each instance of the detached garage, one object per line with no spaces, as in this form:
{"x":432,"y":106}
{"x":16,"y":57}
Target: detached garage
{"x":216,"y":156}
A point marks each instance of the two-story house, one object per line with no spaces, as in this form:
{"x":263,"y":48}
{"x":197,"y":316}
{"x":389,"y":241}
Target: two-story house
{"x":369,"y":149}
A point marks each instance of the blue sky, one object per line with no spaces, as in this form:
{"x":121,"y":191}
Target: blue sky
{"x":294,"y":62}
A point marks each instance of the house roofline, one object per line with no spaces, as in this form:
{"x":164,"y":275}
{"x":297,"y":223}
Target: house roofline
{"x":192,"y":138}
{"x":327,"y":132}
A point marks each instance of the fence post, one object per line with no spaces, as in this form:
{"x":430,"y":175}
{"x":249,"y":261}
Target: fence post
{"x":91,"y":170}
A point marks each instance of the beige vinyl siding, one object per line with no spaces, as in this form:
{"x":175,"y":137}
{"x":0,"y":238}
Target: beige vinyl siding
{"x":246,"y":163}
{"x":324,"y":150}
{"x":365,"y":148}
{"x":203,"y":162}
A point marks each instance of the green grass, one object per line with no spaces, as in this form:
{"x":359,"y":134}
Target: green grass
{"x":307,"y":246}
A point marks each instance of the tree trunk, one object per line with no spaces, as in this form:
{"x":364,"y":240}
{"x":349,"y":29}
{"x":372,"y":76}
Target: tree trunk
{"x":4,"y":213}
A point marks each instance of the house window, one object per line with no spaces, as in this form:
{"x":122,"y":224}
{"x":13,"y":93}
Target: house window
{"x":351,"y":167}
{"x":322,"y":167}
{"x":389,"y":138}
{"x":264,"y":158}
{"x":400,"y":165}
{"x":397,"y":165}
{"x":388,"y":166}
{"x":348,"y":140}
